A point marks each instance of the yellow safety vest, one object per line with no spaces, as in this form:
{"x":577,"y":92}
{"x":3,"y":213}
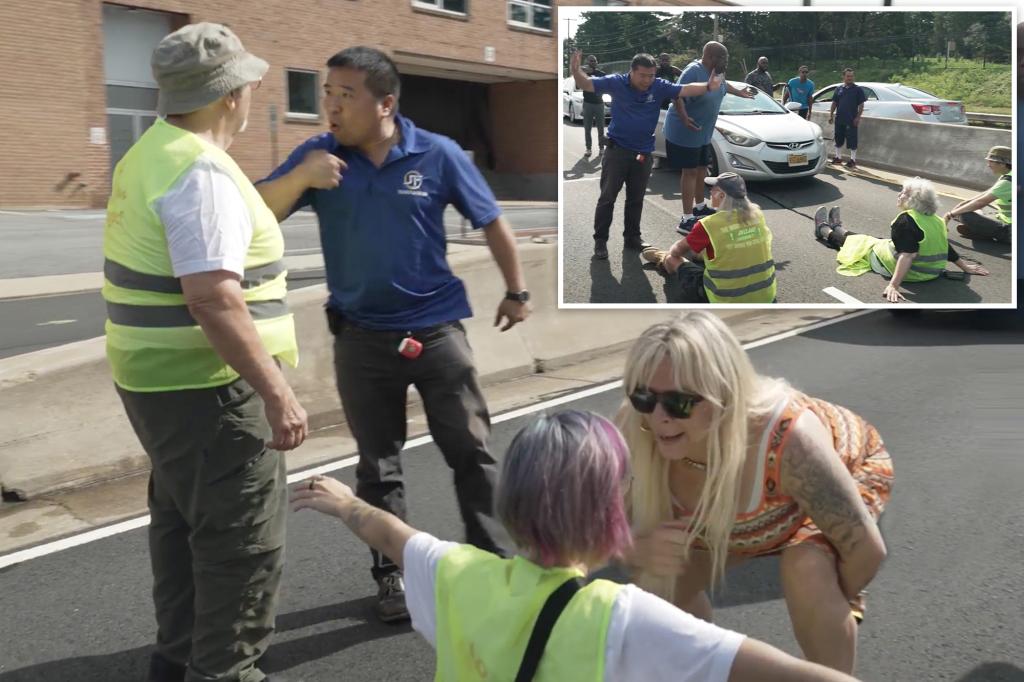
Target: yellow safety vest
{"x":153,"y":342}
{"x":742,"y":270}
{"x":932,"y":251}
{"x":486,"y":610}
{"x":1005,"y":206}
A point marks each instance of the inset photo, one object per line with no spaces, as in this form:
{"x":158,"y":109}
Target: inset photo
{"x":812,"y":158}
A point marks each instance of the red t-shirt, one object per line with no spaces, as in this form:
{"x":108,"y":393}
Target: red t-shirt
{"x":698,"y":240}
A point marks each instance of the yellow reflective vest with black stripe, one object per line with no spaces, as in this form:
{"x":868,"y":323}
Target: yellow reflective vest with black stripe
{"x":153,"y":342}
{"x":742,"y":270}
{"x":486,"y":608}
{"x":932,"y":250}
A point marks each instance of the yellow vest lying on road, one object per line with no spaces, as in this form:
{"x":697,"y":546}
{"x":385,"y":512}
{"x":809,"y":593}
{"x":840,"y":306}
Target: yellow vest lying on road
{"x":486,"y":609}
{"x":742,"y":270}
{"x":931,"y":254}
{"x":153,"y":342}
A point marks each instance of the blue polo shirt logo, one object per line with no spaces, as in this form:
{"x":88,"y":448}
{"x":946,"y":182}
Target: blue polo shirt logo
{"x":413,"y":180}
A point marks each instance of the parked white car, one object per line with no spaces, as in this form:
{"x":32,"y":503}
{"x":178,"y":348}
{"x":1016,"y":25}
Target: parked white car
{"x":572,"y":101}
{"x":895,"y":100}
{"x":760,"y":139}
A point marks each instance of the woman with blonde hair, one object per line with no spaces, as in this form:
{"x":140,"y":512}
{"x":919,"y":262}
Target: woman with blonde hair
{"x":730,"y":465}
{"x":917,"y":250}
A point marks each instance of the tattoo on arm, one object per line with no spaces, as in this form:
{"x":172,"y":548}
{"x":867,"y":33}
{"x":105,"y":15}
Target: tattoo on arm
{"x":814,"y":475}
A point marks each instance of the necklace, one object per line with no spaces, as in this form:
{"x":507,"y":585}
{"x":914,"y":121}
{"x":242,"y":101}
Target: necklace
{"x":694,"y":464}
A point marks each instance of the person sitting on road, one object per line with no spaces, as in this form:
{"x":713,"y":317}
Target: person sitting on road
{"x":727,"y":257}
{"x":973,"y":225}
{"x":561,"y":498}
{"x":729,"y":465}
{"x":916,"y":251}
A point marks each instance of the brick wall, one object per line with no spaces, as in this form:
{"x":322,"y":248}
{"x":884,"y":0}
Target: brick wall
{"x":54,"y":89}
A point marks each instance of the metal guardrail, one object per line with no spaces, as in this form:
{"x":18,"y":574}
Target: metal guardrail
{"x":1005,"y":119}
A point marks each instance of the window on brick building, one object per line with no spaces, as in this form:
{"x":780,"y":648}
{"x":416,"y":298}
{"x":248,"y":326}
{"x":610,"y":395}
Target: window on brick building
{"x":530,"y":13}
{"x":454,"y":6}
{"x":303,"y":91}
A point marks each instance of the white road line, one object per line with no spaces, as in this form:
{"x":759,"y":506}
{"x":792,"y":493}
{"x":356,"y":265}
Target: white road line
{"x":842,"y":296}
{"x":24,"y":555}
{"x":44,"y":324}
{"x":566,"y":182}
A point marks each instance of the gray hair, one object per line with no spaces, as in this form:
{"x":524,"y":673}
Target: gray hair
{"x":921,"y":196}
{"x":749,"y":212}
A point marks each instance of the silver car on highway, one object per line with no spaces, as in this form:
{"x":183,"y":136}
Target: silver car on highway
{"x":572,"y":102}
{"x":760,"y":139}
{"x":895,"y":100}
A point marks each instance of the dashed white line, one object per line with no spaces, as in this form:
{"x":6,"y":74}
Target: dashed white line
{"x":842,"y":296}
{"x":38,"y":551}
{"x":54,"y":322}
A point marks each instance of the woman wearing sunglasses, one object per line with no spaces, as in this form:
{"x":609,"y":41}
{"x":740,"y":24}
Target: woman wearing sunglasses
{"x":560,"y":498}
{"x":730,"y":465}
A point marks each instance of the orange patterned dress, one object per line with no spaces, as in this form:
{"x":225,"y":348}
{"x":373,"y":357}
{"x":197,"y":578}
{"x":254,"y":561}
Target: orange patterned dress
{"x":775,"y":521}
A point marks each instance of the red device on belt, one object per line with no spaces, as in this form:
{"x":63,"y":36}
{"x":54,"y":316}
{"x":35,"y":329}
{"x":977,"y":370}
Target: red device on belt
{"x":410,"y":348}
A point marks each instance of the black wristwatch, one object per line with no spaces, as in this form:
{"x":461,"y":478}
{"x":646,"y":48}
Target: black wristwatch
{"x":519,"y":297}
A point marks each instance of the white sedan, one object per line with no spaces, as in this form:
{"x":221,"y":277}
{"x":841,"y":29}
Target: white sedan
{"x":760,"y":139}
{"x":572,"y":101}
{"x":895,"y":100}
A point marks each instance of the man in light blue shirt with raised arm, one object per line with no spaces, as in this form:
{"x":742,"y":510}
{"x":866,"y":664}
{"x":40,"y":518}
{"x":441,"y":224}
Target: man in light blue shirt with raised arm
{"x":689,"y":148}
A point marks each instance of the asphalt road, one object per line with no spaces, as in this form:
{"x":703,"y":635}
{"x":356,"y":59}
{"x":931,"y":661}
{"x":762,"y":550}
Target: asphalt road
{"x":39,"y":322}
{"x":945,"y":396}
{"x":805,"y":267}
{"x":44,"y":243}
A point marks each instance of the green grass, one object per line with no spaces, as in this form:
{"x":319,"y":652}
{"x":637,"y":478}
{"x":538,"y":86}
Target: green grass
{"x":983,"y":89}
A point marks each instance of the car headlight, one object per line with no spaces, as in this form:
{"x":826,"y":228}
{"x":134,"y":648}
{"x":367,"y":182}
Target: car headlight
{"x":738,"y":139}
{"x":817,"y":132}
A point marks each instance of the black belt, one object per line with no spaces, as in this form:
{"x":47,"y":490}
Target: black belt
{"x":337,"y":322}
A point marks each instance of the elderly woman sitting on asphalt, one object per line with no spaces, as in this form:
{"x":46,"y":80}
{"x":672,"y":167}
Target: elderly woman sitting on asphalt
{"x":727,"y":256}
{"x":916,"y":251}
{"x":729,"y":465}
{"x":561,"y":498}
{"x":973,"y":225}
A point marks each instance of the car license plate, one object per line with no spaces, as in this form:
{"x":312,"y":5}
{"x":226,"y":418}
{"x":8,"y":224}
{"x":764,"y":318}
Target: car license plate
{"x":797,"y":160}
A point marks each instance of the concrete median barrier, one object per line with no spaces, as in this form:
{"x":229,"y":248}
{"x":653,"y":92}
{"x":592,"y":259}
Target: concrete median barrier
{"x":64,"y":426}
{"x":952,"y":154}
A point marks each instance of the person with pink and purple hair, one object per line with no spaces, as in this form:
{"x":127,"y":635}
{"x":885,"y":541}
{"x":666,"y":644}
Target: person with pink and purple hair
{"x":560,"y":496}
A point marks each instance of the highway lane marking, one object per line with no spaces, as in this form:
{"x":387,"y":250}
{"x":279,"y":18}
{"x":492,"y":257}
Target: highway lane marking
{"x":24,"y":555}
{"x":842,"y":296}
{"x":54,"y":322}
{"x":566,"y":182}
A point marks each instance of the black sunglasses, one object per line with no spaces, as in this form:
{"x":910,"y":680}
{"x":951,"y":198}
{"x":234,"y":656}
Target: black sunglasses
{"x":676,"y":404}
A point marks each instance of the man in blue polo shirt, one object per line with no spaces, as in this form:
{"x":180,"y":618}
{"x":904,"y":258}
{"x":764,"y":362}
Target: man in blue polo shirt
{"x":636,"y":106}
{"x":379,"y":186}
{"x":688,"y":148}
{"x":800,"y":90}
{"x":847,"y":106}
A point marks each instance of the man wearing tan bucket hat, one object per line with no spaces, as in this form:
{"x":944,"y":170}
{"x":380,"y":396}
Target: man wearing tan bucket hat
{"x":974,"y":225}
{"x":197,"y":325}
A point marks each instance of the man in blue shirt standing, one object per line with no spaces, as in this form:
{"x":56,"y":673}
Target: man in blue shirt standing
{"x":636,"y":106}
{"x":379,"y":186}
{"x":688,"y":148}
{"x":800,"y":90}
{"x":847,"y":106}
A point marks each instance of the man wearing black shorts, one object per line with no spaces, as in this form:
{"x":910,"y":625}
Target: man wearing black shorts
{"x":847,"y":107}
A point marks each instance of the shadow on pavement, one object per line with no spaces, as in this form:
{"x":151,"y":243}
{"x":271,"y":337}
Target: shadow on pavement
{"x":924,"y":328}
{"x":283,"y":654}
{"x":582,"y":168}
{"x":994,"y":672}
{"x":634,"y":287}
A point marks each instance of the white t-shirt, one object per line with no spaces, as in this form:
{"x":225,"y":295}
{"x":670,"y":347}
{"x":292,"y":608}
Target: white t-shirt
{"x":648,"y":638}
{"x":208,"y":224}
